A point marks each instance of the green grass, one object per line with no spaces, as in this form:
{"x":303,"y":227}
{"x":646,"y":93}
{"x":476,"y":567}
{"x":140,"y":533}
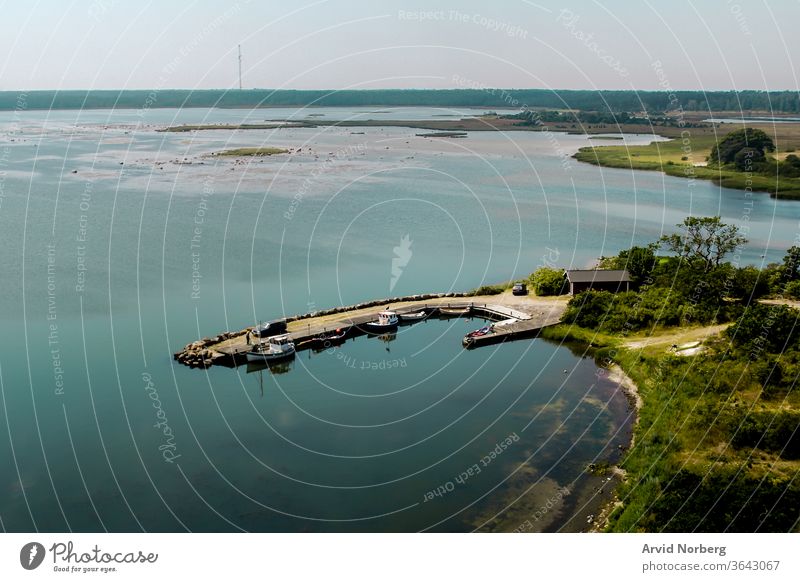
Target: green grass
{"x":226,"y":126}
{"x":667,"y":157}
{"x":567,"y":332}
{"x":683,"y":460}
{"x":490,"y":289}
{"x":243,"y":152}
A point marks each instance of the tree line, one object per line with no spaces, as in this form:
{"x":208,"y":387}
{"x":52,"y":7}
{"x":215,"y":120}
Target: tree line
{"x":585,"y":100}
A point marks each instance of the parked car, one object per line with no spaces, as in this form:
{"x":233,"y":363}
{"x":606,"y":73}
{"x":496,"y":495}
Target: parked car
{"x":519,"y":289}
{"x":271,"y":328}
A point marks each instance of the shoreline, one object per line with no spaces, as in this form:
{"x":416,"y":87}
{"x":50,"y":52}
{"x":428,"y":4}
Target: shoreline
{"x":684,"y":157}
{"x":631,"y":391}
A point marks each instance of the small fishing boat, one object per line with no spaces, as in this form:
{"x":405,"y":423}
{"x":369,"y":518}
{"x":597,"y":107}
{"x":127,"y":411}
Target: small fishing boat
{"x":387,"y":321}
{"x":327,"y":339}
{"x":472,"y":336}
{"x":455,"y":311}
{"x":277,"y":347}
{"x":485,"y":330}
{"x":413,"y":316}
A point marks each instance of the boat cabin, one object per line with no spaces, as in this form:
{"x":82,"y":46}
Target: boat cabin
{"x":387,"y":318}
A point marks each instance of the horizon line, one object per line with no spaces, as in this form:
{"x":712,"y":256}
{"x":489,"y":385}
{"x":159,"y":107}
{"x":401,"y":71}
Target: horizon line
{"x":477,"y":89}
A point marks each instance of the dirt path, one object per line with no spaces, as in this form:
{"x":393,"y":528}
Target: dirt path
{"x":679,"y":337}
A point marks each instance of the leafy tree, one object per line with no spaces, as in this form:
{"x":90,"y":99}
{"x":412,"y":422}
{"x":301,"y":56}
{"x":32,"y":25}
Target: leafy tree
{"x":790,"y":269}
{"x":725,"y":151}
{"x":639,"y":261}
{"x":749,"y":283}
{"x":588,"y":309}
{"x":548,"y":281}
{"x":790,"y":168}
{"x":745,"y":158}
{"x":704,"y":241}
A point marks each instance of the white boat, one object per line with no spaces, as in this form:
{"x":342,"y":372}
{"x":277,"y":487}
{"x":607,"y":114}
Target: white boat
{"x":277,"y":347}
{"x":455,"y":310}
{"x":413,"y":316}
{"x":387,"y":321}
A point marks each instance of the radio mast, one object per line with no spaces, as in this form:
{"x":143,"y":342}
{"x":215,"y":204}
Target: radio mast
{"x":240,"y":67}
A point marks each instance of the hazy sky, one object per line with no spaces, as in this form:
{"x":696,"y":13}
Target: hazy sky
{"x":332,"y":44}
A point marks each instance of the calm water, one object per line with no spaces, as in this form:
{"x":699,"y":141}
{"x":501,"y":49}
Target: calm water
{"x":121,"y":244}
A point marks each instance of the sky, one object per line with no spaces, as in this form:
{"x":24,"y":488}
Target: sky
{"x":368,"y":44}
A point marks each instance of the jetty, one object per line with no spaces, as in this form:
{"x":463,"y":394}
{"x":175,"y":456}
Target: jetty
{"x":514,"y":317}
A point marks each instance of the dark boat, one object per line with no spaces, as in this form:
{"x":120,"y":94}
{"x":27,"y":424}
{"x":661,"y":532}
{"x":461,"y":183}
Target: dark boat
{"x":327,"y":339}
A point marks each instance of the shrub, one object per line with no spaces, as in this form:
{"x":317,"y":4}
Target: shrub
{"x":719,"y":501}
{"x":792,"y":289}
{"x":548,"y":281}
{"x":769,"y":431}
{"x":488,"y":290}
{"x":589,"y":309}
{"x":768,"y":328}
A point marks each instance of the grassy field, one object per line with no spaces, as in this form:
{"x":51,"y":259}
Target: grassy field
{"x":480,"y":123}
{"x":244,"y":152}
{"x":684,"y":465}
{"x":684,"y":158}
{"x":227,"y":127}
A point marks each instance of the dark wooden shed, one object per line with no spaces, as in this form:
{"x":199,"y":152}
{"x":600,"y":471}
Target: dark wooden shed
{"x":598,"y":279}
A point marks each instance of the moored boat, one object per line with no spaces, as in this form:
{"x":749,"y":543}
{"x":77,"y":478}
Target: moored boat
{"x":327,"y":339}
{"x":413,"y":316}
{"x":455,"y":310}
{"x":387,"y":321}
{"x":470,"y":338}
{"x":278,"y":347}
{"x":485,"y":330}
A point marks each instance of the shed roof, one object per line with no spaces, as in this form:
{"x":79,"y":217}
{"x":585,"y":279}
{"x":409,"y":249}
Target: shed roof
{"x":598,"y":276}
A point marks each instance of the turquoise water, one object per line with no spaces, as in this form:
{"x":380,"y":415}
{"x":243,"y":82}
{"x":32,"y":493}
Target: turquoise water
{"x":152,"y":243}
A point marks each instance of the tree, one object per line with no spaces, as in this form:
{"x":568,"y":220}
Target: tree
{"x":639,"y":261}
{"x":548,"y":281}
{"x":790,"y":269}
{"x":746,"y":157}
{"x":704,"y":241}
{"x":589,"y":309}
{"x":790,"y":168}
{"x":725,"y":151}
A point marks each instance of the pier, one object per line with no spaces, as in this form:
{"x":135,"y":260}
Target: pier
{"x":514,"y":318}
{"x":520,"y":329}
